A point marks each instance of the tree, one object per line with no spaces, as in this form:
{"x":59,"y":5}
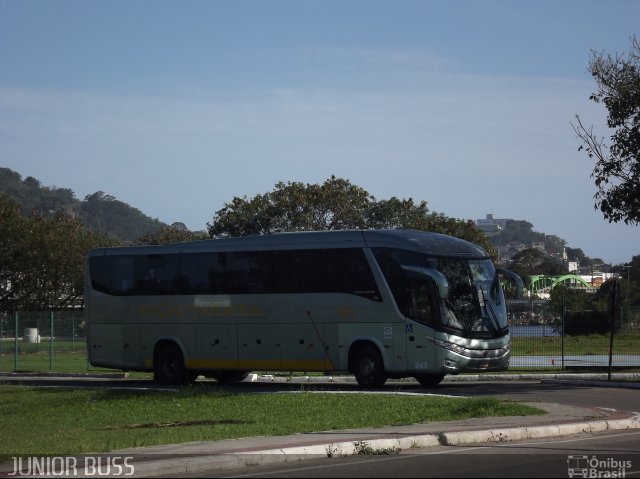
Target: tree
{"x":532,"y":261}
{"x":108,"y":216}
{"x":41,"y":259}
{"x":617,"y":169}
{"x":169,"y":234}
{"x":336,"y":204}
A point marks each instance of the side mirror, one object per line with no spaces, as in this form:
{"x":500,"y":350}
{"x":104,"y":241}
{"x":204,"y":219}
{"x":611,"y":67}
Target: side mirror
{"x":515,"y":279}
{"x":440,"y":279}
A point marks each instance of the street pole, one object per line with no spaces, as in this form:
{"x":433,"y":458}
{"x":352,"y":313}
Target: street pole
{"x":613,"y":316}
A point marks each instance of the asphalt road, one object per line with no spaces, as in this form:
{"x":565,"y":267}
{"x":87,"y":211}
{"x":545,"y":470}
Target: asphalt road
{"x":611,"y":454}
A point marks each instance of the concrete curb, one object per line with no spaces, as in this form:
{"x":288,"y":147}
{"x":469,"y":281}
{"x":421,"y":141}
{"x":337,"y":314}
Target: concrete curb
{"x":235,"y":460}
{"x":602,"y":377}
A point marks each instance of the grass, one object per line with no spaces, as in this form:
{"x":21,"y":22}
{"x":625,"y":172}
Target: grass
{"x":593,"y":344}
{"x":71,"y":357}
{"x":62,"y":421}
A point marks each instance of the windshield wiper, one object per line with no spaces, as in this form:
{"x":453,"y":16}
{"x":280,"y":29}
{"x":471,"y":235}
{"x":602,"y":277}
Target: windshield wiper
{"x":492,"y":316}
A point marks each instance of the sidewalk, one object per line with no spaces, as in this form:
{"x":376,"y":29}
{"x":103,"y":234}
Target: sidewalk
{"x":232,"y":454}
{"x":560,"y":420}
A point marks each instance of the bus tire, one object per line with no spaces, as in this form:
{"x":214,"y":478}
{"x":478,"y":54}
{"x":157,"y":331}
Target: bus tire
{"x":368,"y":367}
{"x":429,"y":380}
{"x":169,"y":368}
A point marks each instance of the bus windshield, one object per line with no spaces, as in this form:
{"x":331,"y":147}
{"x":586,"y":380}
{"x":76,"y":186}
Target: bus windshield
{"x":473,"y":305}
{"x":475,"y":300}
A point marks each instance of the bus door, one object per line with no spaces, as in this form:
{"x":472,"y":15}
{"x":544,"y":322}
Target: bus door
{"x":420,"y":347}
{"x":423,"y":286}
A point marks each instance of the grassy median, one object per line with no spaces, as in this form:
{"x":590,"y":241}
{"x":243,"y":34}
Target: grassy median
{"x":62,"y":421}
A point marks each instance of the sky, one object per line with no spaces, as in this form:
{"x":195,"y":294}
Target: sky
{"x":178,"y":107}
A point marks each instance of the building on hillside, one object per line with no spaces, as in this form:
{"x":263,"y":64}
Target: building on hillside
{"x":597,"y":278}
{"x":490,"y":225}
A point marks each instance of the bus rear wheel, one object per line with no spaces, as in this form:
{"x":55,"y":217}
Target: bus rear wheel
{"x":169,"y":368}
{"x":429,"y":380}
{"x":368,"y":368}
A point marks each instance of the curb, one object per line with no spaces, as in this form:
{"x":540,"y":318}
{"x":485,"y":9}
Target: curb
{"x":47,"y":374}
{"x":602,"y":377}
{"x":236,"y":460}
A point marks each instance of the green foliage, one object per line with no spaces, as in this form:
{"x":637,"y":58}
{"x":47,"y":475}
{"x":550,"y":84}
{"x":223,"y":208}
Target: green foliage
{"x":532,"y":261}
{"x":33,"y":197}
{"x":108,"y":216}
{"x":520,"y":231}
{"x":63,"y":421}
{"x":572,"y":299}
{"x":617,"y":169}
{"x":169,"y":234}
{"x":41,"y":259}
{"x":336,"y":204}
{"x":101,"y":213}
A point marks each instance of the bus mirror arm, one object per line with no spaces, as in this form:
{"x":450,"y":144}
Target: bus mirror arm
{"x":440,"y":279}
{"x":515,"y":279}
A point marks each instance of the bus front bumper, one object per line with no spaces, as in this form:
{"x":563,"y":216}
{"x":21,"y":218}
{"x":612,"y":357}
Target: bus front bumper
{"x":454,"y":359}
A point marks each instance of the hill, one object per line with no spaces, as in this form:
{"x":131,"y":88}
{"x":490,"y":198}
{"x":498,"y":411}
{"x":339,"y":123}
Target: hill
{"x":100,"y":212}
{"x":511,"y":237}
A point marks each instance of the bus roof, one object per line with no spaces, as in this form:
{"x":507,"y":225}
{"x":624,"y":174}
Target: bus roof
{"x":421,"y":241}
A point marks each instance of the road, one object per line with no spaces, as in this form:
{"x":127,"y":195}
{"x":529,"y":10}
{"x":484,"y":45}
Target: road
{"x":550,"y":457}
{"x":611,"y":454}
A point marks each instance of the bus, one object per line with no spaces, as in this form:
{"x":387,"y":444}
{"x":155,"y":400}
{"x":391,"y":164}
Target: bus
{"x":377,"y":304}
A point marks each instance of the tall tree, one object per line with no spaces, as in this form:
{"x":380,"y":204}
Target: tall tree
{"x":41,"y":259}
{"x":617,"y":169}
{"x":169,"y":234}
{"x":335,"y":204}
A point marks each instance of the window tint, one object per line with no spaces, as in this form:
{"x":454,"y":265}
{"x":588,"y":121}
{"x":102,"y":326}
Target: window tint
{"x":414,"y":294}
{"x":200,"y":273}
{"x":245,"y":272}
{"x":112,"y":274}
{"x":156,"y":274}
{"x":248,"y":272}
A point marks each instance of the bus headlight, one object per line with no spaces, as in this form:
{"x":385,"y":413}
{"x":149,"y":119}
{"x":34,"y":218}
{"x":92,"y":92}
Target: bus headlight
{"x":452,"y":347}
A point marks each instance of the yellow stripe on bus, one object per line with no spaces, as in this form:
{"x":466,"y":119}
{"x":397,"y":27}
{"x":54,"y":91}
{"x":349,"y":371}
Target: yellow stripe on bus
{"x":251,"y":364}
{"x":264,"y":364}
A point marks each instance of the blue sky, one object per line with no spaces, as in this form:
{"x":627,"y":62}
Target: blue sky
{"x":177,"y":107}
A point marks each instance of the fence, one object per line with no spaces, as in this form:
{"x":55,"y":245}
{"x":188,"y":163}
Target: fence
{"x":543,"y":338}
{"x":43,"y":341}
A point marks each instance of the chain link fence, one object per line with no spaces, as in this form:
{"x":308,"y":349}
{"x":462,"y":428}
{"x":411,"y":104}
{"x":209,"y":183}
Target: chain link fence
{"x":43,"y":341}
{"x":556,"y":338}
{"x":543,"y":338}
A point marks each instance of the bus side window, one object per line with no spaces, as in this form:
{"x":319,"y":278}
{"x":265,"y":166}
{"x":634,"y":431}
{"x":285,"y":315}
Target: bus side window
{"x":244,"y":272}
{"x":155,"y":274}
{"x":350,"y":273}
{"x":124,"y":275}
{"x":112,"y":274}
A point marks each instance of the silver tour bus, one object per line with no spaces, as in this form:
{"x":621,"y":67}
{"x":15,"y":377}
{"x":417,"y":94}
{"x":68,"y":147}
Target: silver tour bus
{"x":377,"y":304}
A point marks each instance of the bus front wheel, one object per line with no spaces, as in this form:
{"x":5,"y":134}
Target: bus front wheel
{"x":368,"y":368}
{"x":429,"y":380}
{"x":169,"y":368}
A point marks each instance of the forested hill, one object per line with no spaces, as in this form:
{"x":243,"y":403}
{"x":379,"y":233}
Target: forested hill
{"x":100,"y":212}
